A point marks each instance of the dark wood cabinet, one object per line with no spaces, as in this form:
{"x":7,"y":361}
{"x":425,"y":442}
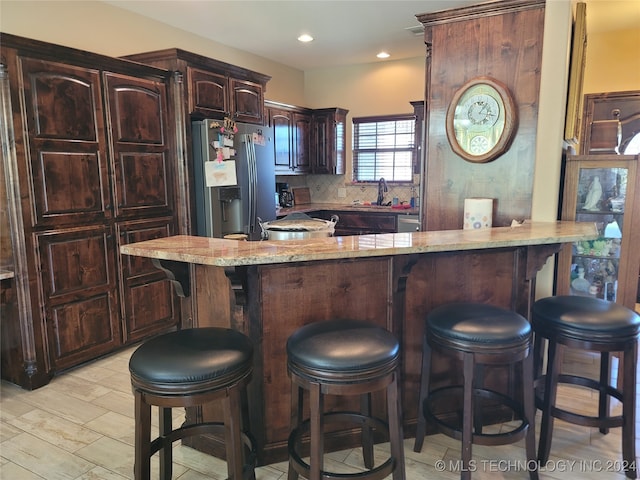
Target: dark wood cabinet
{"x":147,"y":300}
{"x":329,"y":138}
{"x":362,"y":223}
{"x":95,"y":166}
{"x":214,"y":89}
{"x":78,"y":293}
{"x":306,"y":140}
{"x":292,"y":133}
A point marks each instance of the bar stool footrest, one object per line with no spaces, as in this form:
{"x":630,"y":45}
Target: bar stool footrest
{"x":210,"y":427}
{"x":575,"y":418}
{"x":490,"y":439}
{"x":303,"y":468}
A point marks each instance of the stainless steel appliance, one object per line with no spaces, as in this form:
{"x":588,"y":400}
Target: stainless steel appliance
{"x":285,"y":196}
{"x":224,"y":210}
{"x":408,"y":223}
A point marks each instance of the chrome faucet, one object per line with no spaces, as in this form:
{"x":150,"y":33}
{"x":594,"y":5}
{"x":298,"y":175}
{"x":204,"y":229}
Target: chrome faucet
{"x":382,"y":187}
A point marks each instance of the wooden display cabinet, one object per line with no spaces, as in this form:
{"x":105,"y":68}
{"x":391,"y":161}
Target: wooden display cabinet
{"x":604,"y":189}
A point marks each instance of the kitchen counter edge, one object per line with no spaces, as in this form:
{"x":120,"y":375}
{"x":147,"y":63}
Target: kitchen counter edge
{"x":227,"y":253}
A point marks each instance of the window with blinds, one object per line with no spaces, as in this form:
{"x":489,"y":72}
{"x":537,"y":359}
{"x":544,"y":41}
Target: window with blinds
{"x":383,"y":147}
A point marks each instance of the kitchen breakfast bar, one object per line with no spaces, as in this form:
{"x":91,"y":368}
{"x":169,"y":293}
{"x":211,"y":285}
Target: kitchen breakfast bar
{"x":269,"y":289}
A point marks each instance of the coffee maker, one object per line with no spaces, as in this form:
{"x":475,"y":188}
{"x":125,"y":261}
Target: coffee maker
{"x":285,"y":197}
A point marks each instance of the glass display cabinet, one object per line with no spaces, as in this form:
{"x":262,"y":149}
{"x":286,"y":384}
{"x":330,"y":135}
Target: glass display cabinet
{"x":604,"y":189}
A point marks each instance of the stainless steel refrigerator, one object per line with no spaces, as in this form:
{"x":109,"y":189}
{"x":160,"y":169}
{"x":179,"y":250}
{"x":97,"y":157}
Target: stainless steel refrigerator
{"x":233,"y":208}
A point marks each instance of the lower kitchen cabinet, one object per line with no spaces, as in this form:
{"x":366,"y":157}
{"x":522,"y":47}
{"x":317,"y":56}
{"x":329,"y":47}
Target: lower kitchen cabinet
{"x":147,"y":300}
{"x":78,"y":293}
{"x":362,"y":223}
{"x":93,"y":164}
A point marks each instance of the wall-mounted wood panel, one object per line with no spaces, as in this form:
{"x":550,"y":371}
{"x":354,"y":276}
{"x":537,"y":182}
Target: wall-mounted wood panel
{"x":502,"y":40}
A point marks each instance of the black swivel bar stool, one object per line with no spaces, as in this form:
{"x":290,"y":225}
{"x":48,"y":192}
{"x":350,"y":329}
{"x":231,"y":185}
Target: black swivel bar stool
{"x":478,"y":334}
{"x":188,"y":368}
{"x":343,"y":357}
{"x":593,"y":324}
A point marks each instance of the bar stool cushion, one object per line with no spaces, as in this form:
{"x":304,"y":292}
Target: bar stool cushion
{"x":209,"y":356}
{"x":584,"y":319}
{"x":342,"y":346}
{"x":474,"y":326}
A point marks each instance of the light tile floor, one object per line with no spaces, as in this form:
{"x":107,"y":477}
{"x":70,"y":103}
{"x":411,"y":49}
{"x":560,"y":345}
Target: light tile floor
{"x":81,"y":427}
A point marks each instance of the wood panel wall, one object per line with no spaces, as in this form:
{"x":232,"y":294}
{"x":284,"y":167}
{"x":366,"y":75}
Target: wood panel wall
{"x":502,"y":40}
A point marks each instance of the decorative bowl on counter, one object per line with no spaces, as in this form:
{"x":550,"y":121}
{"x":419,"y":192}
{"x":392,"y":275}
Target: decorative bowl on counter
{"x":298,"y":226}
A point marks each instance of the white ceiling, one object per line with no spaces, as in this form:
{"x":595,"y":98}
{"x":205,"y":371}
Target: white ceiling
{"x":346,"y":32}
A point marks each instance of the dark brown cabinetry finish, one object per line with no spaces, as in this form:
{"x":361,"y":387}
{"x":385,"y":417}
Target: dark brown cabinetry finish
{"x":329,"y":138}
{"x":307,"y":140}
{"x":292,"y":134}
{"x":94,"y":166}
{"x":214,"y":89}
{"x":362,"y":223}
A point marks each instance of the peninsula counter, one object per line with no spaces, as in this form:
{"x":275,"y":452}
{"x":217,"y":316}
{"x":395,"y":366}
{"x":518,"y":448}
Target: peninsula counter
{"x":269,"y":289}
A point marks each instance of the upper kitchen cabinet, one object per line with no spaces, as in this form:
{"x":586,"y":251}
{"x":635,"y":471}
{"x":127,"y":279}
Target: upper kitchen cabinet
{"x":214,"y":89}
{"x":292,"y":134}
{"x":307,"y":140}
{"x":91,"y":152}
{"x":603,"y":189}
{"x":329,"y":140}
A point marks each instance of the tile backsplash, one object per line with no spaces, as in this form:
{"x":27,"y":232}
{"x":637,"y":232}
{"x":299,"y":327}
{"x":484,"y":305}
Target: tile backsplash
{"x":334,"y":189}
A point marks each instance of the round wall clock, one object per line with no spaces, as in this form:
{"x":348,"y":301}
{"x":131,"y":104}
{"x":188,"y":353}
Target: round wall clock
{"x":481,"y":120}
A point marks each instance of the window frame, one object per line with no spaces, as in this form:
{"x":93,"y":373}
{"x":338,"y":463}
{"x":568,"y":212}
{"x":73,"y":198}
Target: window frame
{"x":357,"y":121}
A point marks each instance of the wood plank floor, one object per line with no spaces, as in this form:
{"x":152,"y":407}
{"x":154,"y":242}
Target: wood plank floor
{"x":81,"y":427}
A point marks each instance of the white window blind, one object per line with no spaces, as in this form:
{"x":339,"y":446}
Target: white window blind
{"x":383,"y":147}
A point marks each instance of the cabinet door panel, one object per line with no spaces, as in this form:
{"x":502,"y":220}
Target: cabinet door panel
{"x":208,"y":93}
{"x":83,"y":330}
{"x":247,"y":101}
{"x":282,"y":124}
{"x":302,"y":142}
{"x":79,"y":294}
{"x":66,"y":157}
{"x":75,"y":263}
{"x":149,"y":303}
{"x":137,"y":109}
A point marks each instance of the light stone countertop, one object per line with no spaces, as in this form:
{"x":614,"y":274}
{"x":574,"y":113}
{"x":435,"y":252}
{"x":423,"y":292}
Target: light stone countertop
{"x":223,"y":253}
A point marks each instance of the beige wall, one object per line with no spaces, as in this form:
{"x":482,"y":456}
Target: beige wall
{"x":101,"y":28}
{"x":613,"y":61}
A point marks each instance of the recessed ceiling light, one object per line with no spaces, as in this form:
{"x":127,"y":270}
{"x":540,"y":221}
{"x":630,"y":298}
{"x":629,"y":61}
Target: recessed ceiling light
{"x":305,"y":38}
{"x":383,"y":55}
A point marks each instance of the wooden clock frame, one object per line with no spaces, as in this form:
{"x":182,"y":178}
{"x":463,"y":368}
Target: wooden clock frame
{"x":510,"y":120}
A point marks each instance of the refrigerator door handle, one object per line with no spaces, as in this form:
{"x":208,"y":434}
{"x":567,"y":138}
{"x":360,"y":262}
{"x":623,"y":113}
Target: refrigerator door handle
{"x":253,"y":180}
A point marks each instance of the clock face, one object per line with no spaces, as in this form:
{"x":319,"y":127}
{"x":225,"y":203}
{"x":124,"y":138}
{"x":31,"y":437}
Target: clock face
{"x":480,"y":120}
